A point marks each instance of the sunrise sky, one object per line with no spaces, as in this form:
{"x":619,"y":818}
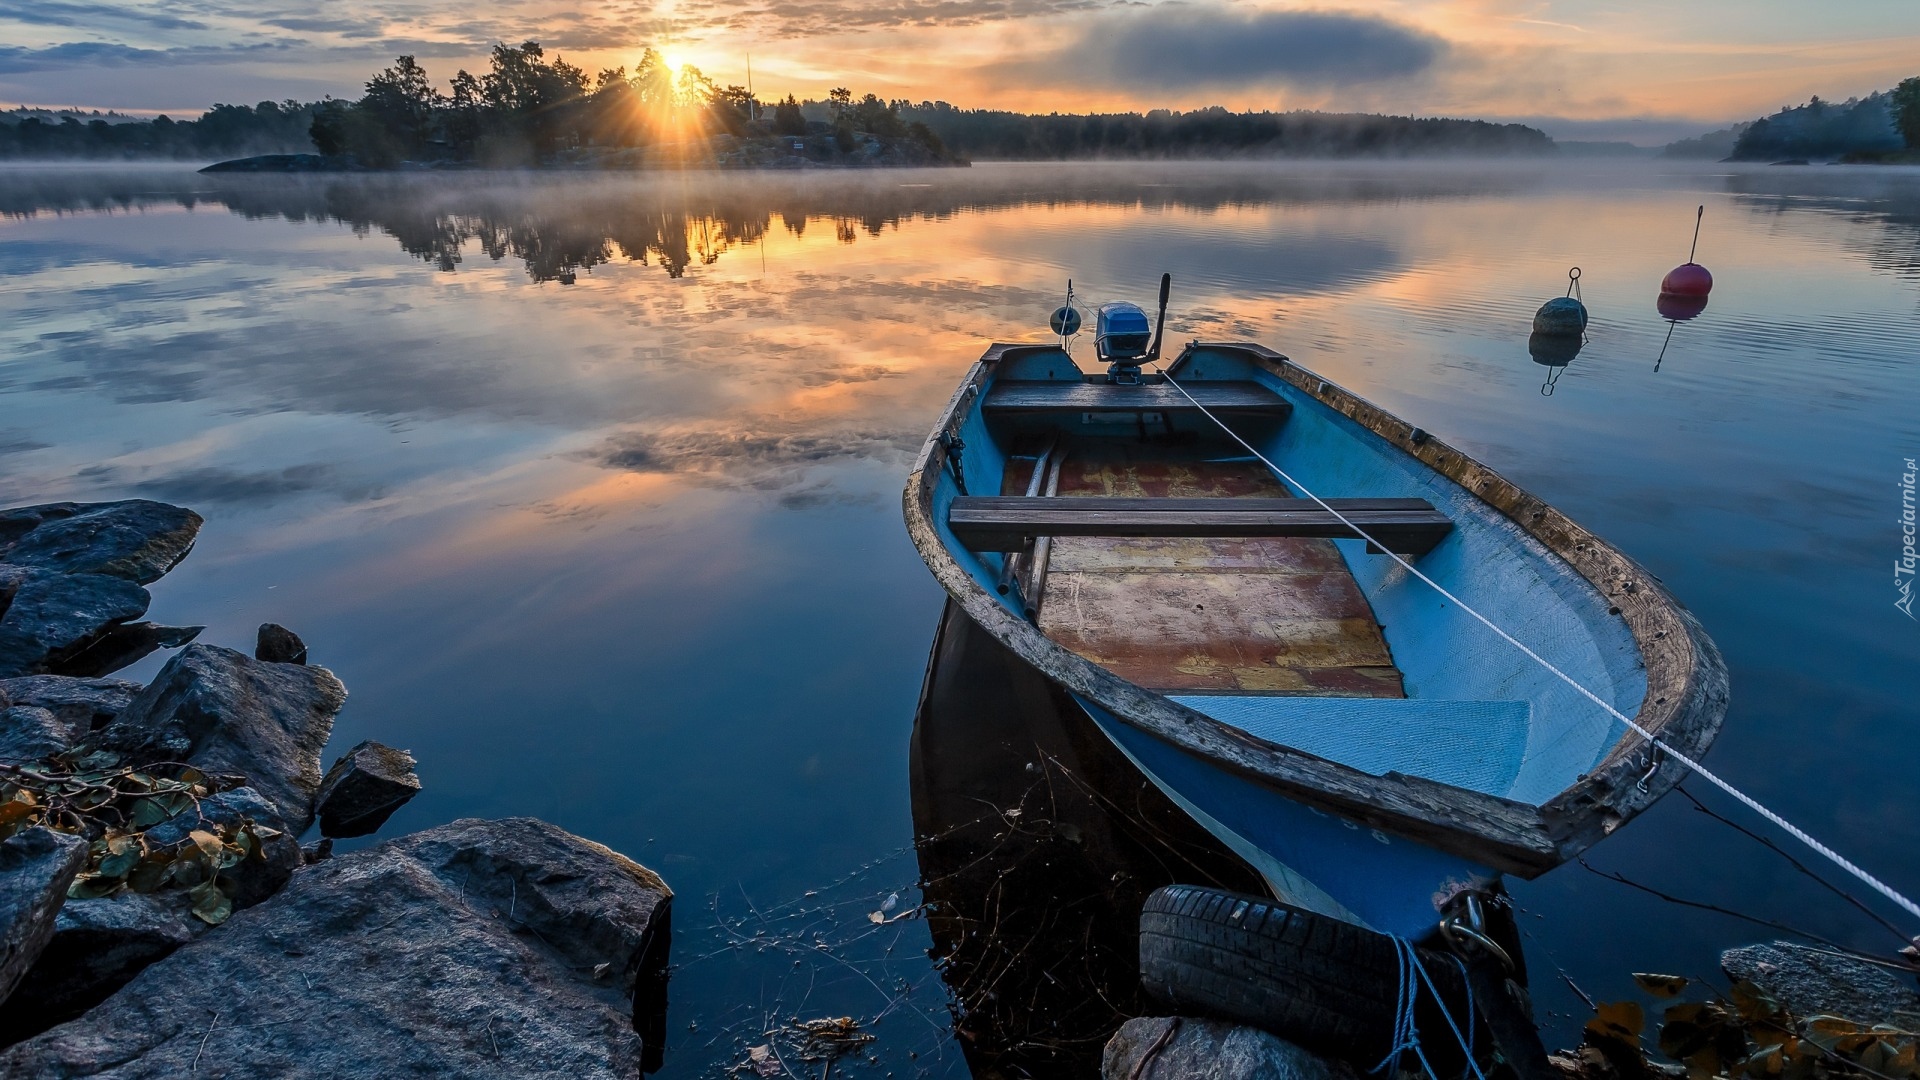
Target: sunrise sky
{"x":1643,"y":70}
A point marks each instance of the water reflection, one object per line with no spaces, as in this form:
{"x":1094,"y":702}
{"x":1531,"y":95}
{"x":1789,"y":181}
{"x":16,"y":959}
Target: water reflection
{"x":560,"y":226}
{"x":626,"y":553}
{"x":1038,"y":845}
{"x":1553,"y":352}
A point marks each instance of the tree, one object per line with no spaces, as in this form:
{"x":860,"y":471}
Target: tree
{"x":787,"y":118}
{"x":840,"y":106}
{"x":402,"y":100}
{"x":734,"y":108}
{"x":329,"y":127}
{"x":878,"y":117}
{"x":1906,"y":111}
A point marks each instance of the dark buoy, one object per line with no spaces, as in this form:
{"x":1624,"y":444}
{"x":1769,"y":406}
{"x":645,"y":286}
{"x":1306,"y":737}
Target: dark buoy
{"x":1689,"y":278}
{"x":1563,"y":316}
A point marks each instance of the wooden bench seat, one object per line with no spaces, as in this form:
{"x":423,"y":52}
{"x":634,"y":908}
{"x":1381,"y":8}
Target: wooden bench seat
{"x":1237,"y":398}
{"x":1010,"y":523}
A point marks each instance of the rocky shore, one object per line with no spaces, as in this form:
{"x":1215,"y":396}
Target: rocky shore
{"x":158,"y":915}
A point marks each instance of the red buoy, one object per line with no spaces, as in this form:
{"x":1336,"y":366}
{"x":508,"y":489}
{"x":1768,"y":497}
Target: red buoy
{"x":1689,"y":278}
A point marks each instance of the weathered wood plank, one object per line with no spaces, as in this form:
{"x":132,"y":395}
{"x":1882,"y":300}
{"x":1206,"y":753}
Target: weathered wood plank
{"x":1239,"y":398}
{"x":996,"y":523}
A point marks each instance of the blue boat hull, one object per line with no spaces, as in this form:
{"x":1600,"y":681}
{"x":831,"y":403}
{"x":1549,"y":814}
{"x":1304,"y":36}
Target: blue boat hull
{"x":1309,"y":858}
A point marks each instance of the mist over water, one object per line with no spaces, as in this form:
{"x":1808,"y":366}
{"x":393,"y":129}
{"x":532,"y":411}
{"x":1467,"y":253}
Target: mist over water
{"x":587,"y":487}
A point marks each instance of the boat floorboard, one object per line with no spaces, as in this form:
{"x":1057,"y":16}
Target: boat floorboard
{"x":1261,"y":616}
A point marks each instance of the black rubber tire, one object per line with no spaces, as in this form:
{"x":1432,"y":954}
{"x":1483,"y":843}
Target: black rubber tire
{"x":1323,"y":984}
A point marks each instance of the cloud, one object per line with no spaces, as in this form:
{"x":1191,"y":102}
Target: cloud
{"x":809,"y":18}
{"x":15,"y":59}
{"x":1180,"y":47}
{"x":216,"y":484}
{"x":56,"y":13}
{"x":764,"y":460}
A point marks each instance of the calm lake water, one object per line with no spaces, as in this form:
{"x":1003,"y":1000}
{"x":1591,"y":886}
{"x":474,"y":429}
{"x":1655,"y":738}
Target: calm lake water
{"x":589,"y":487}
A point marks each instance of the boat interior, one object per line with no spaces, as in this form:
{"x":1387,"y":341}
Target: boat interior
{"x":1136,"y":533}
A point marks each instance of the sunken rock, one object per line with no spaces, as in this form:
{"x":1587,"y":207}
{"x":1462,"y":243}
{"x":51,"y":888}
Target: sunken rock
{"x":364,"y":788}
{"x":29,"y":733}
{"x":138,"y":540}
{"x":224,"y":712}
{"x":36,"y":866}
{"x":467,"y":950}
{"x":84,"y":704}
{"x":51,"y":616}
{"x":1809,"y":982}
{"x":1183,"y":1048}
{"x":98,"y":946}
{"x":278,"y":645}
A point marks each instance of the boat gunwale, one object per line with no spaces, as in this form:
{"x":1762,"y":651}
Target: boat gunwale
{"x":1686,"y":678}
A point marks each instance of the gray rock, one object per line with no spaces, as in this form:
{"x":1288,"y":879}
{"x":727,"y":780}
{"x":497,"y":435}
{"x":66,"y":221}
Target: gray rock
{"x":467,"y":950}
{"x":279,"y":645}
{"x":122,"y":645}
{"x":1208,"y":1050}
{"x":1809,"y":981}
{"x":258,"y":878}
{"x":98,"y":946}
{"x":29,"y":733}
{"x":50,"y":616}
{"x":364,"y":788}
{"x":225,"y":713}
{"x":36,"y":867}
{"x":86,"y":704}
{"x":138,"y":539}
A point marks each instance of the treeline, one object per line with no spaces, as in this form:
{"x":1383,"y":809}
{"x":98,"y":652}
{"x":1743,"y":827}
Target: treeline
{"x":527,"y":110}
{"x":271,"y":127}
{"x":1214,"y":132}
{"x":1877,"y":125}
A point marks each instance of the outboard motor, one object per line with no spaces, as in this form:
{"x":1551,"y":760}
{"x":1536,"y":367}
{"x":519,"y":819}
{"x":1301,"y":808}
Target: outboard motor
{"x":1121,"y":336}
{"x":1125,"y":340}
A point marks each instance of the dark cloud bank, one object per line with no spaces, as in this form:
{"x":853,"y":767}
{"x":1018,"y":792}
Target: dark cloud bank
{"x":1177,"y":47}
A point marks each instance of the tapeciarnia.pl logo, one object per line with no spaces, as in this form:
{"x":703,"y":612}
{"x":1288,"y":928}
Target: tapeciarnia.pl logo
{"x":1903,"y":567}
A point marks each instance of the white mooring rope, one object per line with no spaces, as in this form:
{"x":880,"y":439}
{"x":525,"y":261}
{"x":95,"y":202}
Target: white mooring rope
{"x":1698,"y":769}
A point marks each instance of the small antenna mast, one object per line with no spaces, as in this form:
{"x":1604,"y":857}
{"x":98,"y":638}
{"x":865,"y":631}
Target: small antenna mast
{"x":1698,"y":215}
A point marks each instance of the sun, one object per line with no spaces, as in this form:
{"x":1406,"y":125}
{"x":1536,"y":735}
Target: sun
{"x":673,"y":60}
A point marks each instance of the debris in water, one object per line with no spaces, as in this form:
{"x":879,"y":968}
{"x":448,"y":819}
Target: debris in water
{"x":762,"y":1061}
{"x":830,"y":1037}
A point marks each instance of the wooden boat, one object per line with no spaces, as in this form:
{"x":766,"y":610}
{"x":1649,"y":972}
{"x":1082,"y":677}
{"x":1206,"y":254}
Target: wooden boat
{"x":1373,"y":750}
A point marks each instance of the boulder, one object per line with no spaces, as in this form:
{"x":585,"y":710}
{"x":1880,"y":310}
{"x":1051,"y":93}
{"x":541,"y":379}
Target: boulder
{"x":50,"y":616}
{"x":98,"y":946}
{"x":86,"y":704}
{"x":36,"y":866}
{"x":481,"y":948}
{"x":364,"y":788}
{"x":258,"y":878}
{"x":138,"y":540}
{"x":225,"y":713}
{"x":1809,"y":981}
{"x":279,"y":645}
{"x":122,"y":645}
{"x":29,"y":733}
{"x":1183,"y":1048}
